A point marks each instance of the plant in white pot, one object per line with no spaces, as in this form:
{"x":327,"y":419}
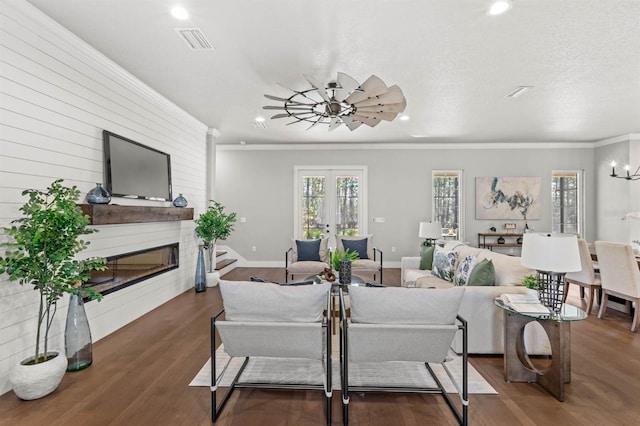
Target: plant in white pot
{"x":214,"y":225}
{"x":45,"y":242}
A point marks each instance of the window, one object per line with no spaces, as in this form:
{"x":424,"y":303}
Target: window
{"x":565,"y":201}
{"x":446,"y":199}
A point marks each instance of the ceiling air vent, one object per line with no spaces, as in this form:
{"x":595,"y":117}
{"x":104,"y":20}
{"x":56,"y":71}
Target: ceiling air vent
{"x":194,"y":38}
{"x":259,"y":124}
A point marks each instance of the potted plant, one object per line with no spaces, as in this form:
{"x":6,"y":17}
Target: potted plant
{"x":45,"y":242}
{"x":214,"y":225}
{"x":341,"y":262}
{"x":531,"y":282}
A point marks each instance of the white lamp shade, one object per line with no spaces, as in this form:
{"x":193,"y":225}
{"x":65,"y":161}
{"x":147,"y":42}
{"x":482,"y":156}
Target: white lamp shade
{"x":431,"y":230}
{"x":551,"y":252}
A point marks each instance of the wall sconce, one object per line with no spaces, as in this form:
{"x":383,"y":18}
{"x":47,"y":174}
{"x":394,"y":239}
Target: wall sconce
{"x":628,"y":176}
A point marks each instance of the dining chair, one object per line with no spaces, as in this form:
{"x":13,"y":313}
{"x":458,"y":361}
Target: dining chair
{"x":620,"y":276}
{"x":585,"y":278}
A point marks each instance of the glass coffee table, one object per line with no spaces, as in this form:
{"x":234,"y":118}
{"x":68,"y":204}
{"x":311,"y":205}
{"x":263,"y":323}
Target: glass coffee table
{"x":518,"y":366}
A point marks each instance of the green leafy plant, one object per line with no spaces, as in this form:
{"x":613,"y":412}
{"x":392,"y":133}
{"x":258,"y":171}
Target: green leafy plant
{"x":214,"y":225}
{"x":42,"y":253}
{"x":339,"y":255}
{"x":530,"y":281}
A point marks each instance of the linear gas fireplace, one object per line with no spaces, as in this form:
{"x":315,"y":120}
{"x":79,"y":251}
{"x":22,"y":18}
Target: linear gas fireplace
{"x":127,"y":269}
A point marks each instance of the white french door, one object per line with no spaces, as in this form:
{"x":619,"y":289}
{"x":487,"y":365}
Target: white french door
{"x":329,"y":200}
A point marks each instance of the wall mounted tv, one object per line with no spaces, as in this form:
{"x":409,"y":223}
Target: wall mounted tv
{"x":135,"y":170}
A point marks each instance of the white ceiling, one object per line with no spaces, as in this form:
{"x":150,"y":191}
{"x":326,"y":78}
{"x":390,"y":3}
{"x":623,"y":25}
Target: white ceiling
{"x":454,"y":63}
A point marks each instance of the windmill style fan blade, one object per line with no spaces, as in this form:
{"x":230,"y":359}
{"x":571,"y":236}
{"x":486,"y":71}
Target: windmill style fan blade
{"x":297,"y":92}
{"x":373,"y":86}
{"x":280,"y":116}
{"x":319,"y":88}
{"x":335,"y":123}
{"x":350,"y":122}
{"x":387,"y":116}
{"x":347,"y":85}
{"x":369,"y":121}
{"x":383,"y":108}
{"x":392,"y":96}
{"x":288,"y":108}
{"x":287,"y":101}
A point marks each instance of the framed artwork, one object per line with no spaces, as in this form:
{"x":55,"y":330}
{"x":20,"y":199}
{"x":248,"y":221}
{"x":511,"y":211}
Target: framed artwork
{"x":508,"y":198}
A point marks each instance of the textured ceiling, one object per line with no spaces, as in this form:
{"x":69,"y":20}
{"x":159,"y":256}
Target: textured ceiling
{"x":454,"y":63}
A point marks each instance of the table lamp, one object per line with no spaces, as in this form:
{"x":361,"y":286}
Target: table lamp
{"x":430,"y":231}
{"x":552,"y":256}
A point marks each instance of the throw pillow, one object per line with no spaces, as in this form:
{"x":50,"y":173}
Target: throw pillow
{"x":443,"y":263}
{"x":308,"y":251}
{"x":483,"y":274}
{"x":464,"y":270}
{"x":359,"y":246}
{"x":426,"y":257}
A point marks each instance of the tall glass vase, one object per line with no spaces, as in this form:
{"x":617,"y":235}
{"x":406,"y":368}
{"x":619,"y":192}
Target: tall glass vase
{"x":201,"y":272}
{"x":77,"y":336}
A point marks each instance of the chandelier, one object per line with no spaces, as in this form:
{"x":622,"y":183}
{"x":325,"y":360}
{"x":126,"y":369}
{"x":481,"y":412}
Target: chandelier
{"x":342,"y":101}
{"x":627,"y":168}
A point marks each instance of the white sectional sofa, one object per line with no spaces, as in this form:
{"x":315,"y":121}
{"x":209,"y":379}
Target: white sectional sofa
{"x":485,"y":320}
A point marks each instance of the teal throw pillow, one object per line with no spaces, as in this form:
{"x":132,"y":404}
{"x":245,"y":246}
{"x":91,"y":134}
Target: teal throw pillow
{"x":443,"y":263}
{"x":464,"y":270}
{"x":426,"y":258}
{"x":483,"y":274}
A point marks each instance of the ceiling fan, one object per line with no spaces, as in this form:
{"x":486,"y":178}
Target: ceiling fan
{"x":343,"y":100}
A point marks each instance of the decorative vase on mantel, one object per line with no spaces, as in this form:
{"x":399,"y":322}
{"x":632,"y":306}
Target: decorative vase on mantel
{"x":344,"y":271}
{"x":98,"y":195}
{"x":180,"y":201}
{"x":77,"y":336}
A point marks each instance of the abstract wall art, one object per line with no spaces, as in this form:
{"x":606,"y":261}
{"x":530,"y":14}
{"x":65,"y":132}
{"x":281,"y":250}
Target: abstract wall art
{"x":508,"y":198}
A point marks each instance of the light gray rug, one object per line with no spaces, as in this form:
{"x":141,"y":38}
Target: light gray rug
{"x":300,"y":371}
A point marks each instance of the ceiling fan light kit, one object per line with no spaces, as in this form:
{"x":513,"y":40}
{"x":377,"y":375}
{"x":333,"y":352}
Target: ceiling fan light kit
{"x":342,"y":101}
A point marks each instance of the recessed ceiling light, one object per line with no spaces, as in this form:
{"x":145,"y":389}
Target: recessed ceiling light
{"x":260,"y":119}
{"x":179,"y":12}
{"x":243,"y":143}
{"x":499,"y":7}
{"x":404,"y":117}
{"x":518,"y":91}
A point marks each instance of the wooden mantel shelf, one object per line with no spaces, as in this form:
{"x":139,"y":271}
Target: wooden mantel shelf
{"x":111,"y":214}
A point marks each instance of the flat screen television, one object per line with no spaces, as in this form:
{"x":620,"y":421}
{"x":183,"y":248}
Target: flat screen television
{"x":134,"y":170}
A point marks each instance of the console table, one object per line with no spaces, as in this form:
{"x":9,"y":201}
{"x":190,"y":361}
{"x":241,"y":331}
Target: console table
{"x":518,"y":367}
{"x":510,"y":240}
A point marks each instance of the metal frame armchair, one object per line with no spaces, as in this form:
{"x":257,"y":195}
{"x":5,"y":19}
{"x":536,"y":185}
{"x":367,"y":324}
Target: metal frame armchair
{"x":269,"y":320}
{"x":296,"y":263}
{"x":402,"y":324}
{"x":369,"y":263}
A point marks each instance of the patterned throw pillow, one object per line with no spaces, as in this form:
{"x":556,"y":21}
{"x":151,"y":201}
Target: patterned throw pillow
{"x":463,"y":271}
{"x":443,"y":263}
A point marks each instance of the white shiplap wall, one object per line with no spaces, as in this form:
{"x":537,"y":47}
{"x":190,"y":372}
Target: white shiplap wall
{"x":57,"y":94}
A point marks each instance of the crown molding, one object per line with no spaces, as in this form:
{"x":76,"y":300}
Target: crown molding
{"x":405,"y":146}
{"x":622,"y":138}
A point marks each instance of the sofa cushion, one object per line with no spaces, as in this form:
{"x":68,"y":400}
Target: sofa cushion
{"x":431,"y":281}
{"x":444,"y":263}
{"x":399,"y":305}
{"x":464,"y":270}
{"x":508,"y":269}
{"x":426,"y":257}
{"x":250,"y":301}
{"x":482,"y":274}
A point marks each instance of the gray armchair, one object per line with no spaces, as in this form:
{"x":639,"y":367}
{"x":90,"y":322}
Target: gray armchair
{"x":402,"y":324}
{"x":306,"y":257}
{"x":271,"y":320}
{"x":370,"y":261}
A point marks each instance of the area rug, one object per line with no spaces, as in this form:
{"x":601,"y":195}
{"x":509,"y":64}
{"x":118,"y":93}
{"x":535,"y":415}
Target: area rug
{"x":300,"y":371}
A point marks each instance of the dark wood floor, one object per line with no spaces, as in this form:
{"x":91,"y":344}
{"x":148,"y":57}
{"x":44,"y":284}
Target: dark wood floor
{"x":141,"y":373}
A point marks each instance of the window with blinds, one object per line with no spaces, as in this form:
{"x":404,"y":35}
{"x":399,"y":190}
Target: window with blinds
{"x":446,"y":200}
{"x":565,"y":201}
